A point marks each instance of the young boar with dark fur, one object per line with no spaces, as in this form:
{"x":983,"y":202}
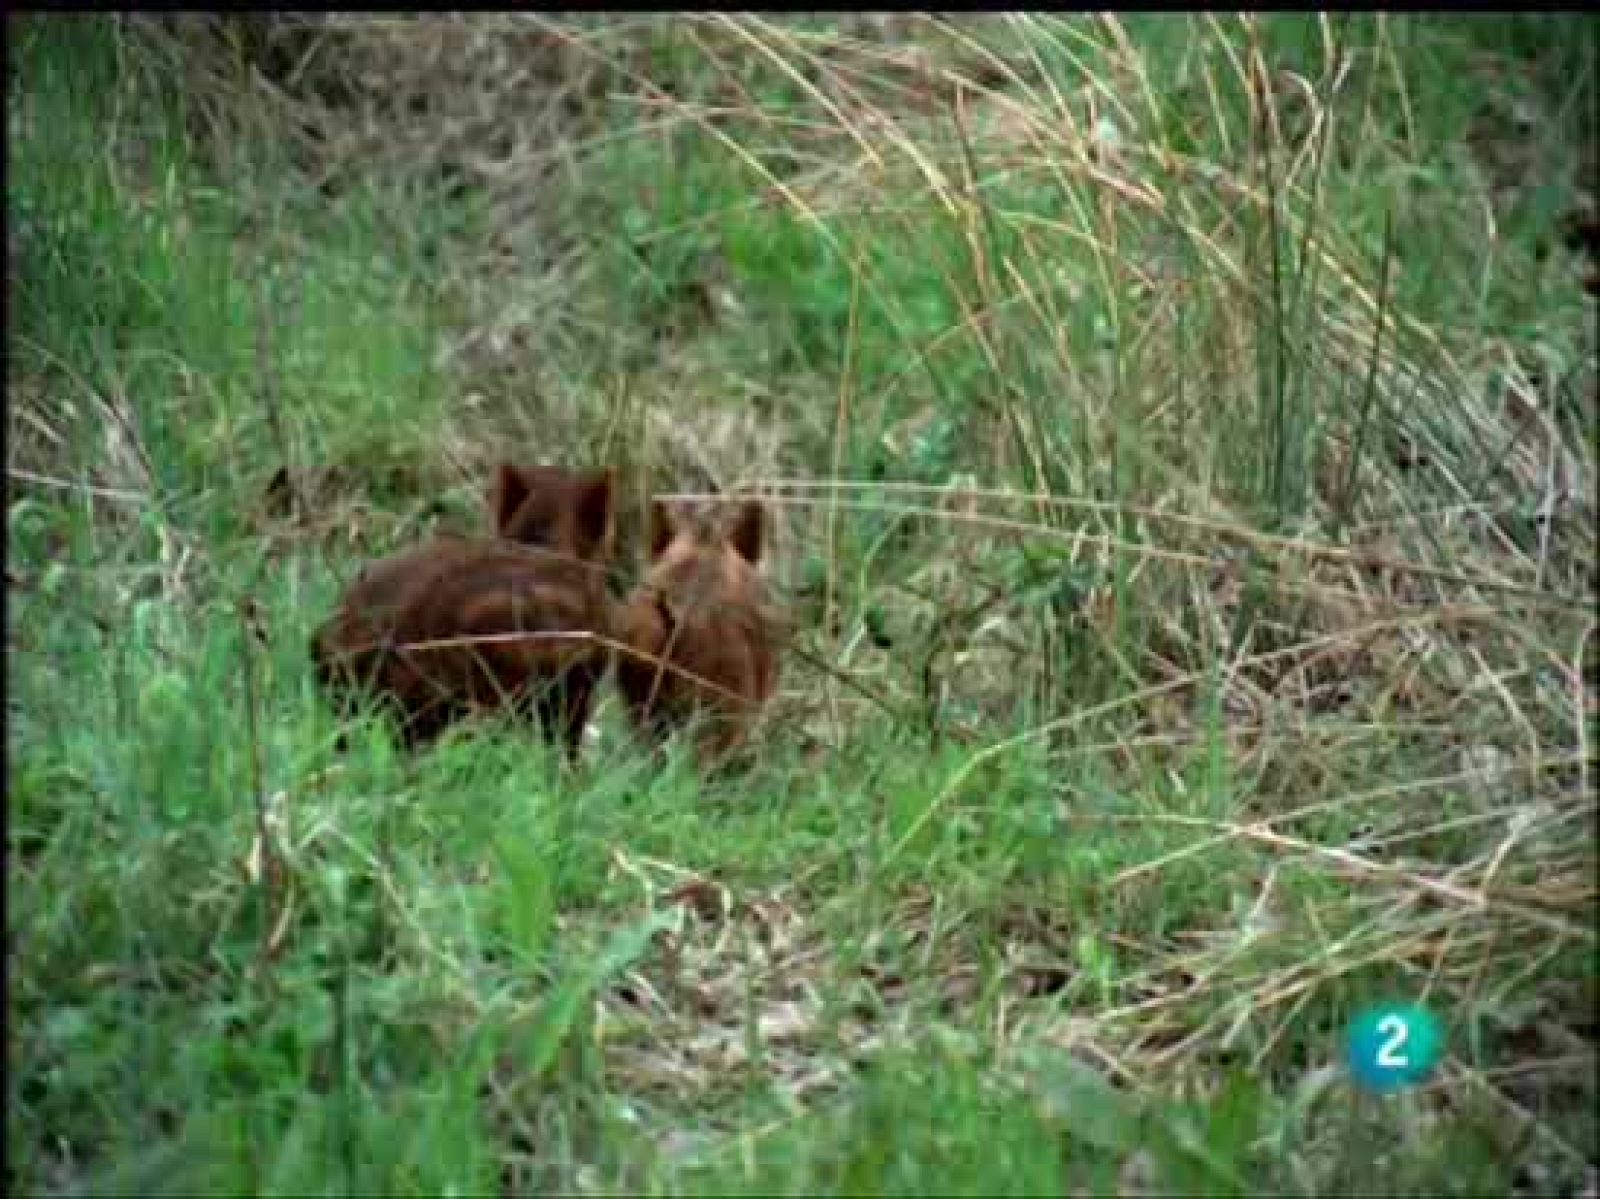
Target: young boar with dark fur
{"x":407,"y":627}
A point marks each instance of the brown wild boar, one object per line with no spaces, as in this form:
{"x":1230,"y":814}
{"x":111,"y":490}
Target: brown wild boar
{"x":700,"y":632}
{"x":405,"y":627}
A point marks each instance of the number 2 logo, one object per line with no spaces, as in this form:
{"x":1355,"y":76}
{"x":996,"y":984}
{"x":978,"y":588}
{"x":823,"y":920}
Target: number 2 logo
{"x":1391,"y":1053}
{"x":1393,"y":1046}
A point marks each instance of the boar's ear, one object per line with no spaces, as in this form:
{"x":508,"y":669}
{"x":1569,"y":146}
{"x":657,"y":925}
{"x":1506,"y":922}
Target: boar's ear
{"x":506,"y":493}
{"x":592,"y":512}
{"x":745,"y":535}
{"x":662,"y":528}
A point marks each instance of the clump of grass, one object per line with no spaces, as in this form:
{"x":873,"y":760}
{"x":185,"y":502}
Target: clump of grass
{"x":1183,"y":443}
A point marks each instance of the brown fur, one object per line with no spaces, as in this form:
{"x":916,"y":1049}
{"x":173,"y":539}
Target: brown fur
{"x":702,"y":608}
{"x":544,"y":573}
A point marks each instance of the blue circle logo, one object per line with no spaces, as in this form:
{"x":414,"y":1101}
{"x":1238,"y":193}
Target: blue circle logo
{"x":1393,"y":1046}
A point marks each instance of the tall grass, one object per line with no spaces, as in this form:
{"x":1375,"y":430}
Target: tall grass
{"x":1181,"y":432}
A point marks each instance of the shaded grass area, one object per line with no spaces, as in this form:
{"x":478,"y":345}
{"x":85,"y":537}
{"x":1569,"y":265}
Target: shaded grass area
{"x":1181,"y":434}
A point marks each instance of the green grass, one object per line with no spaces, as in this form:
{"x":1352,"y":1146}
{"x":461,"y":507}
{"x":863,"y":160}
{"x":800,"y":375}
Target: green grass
{"x":1186,"y":518}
